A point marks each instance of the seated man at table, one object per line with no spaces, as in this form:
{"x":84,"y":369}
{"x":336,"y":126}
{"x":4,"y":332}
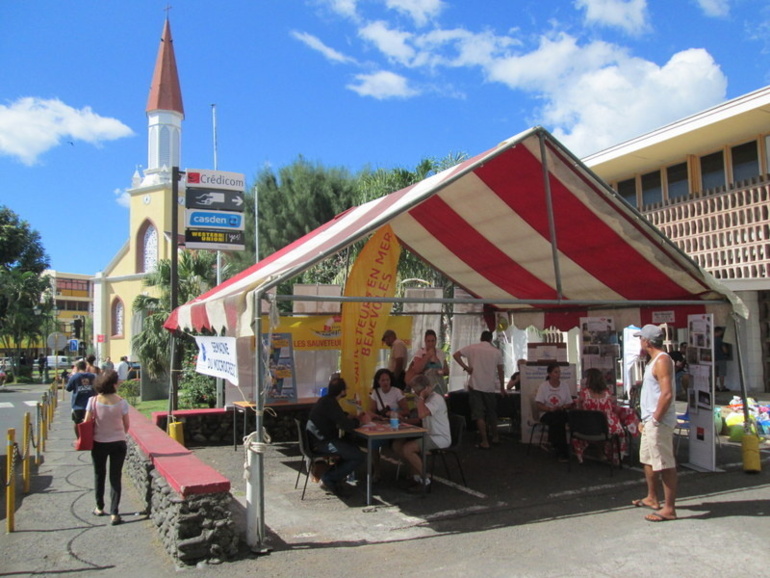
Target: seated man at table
{"x":326,"y":419}
{"x":431,"y":409}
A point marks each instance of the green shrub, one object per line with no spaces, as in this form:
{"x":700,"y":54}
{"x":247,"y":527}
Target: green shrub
{"x":130,"y":390}
{"x":24,"y":379}
{"x":196,"y":389}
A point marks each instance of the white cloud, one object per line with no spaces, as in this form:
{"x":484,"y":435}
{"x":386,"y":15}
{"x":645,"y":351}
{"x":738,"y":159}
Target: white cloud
{"x":382,"y":85}
{"x":608,"y":105}
{"x":715,"y":8}
{"x":421,"y":11}
{"x":345,"y":8}
{"x":628,"y":15}
{"x":459,"y":47}
{"x":328,"y":52}
{"x":122,"y":197}
{"x":596,"y":95}
{"x":392,"y":43}
{"x":31,"y":126}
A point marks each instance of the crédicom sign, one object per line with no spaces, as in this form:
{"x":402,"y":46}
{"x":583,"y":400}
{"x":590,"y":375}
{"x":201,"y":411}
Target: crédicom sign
{"x":216,"y":357}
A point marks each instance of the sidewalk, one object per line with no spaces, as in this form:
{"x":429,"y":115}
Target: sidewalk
{"x":55,"y":531}
{"x":521,"y":515}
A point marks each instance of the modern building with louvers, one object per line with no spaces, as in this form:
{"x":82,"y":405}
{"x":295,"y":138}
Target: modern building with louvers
{"x":703,"y":181}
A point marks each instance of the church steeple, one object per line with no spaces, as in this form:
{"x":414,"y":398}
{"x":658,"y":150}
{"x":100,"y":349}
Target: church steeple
{"x":165,"y":113}
{"x":165,"y":93}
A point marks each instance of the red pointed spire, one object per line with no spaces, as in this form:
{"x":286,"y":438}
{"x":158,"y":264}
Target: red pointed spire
{"x":165,"y":93}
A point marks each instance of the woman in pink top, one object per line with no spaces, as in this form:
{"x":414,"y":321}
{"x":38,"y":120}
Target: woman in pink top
{"x":111,"y":414}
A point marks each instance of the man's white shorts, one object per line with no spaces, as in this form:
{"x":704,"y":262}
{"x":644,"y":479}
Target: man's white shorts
{"x":657,"y":446}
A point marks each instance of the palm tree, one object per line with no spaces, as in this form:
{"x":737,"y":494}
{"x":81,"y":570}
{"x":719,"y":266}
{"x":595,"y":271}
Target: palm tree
{"x":197,"y":274}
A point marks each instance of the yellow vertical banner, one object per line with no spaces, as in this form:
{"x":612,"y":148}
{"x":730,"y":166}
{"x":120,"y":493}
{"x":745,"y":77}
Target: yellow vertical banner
{"x":373,"y":275}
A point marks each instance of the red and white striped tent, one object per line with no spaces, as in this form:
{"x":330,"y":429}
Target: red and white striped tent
{"x":524,"y":226}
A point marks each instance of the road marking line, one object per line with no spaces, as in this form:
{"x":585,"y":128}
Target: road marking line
{"x":4,"y":404}
{"x":31,"y":403}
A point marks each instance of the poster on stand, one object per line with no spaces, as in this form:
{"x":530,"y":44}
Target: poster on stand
{"x":282,"y":386}
{"x":599,"y":348}
{"x":700,"y":397}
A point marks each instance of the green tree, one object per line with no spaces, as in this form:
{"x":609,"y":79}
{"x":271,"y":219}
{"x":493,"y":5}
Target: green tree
{"x":20,"y":293}
{"x":197,"y":274}
{"x":22,"y":285}
{"x":300,"y":198}
{"x":20,"y":246}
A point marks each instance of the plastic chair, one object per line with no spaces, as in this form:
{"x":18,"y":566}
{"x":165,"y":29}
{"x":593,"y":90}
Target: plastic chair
{"x":592,"y":426}
{"x":457,"y":429}
{"x":534,"y":422}
{"x":682,"y":427}
{"x":309,"y":457}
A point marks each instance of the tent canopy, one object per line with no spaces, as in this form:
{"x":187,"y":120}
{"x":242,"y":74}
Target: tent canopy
{"x":524,"y":226}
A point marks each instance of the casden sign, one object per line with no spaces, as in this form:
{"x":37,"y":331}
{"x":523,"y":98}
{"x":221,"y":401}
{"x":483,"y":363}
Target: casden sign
{"x":214,"y":220}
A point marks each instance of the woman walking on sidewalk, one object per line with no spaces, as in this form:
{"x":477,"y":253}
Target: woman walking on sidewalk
{"x":111,"y":414}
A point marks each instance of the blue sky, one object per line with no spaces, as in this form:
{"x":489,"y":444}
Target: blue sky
{"x":353,"y":83}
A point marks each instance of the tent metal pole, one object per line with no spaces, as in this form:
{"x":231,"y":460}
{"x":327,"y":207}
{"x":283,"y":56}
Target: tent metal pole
{"x":567,"y":304}
{"x":551,"y":222}
{"x":255,"y":446}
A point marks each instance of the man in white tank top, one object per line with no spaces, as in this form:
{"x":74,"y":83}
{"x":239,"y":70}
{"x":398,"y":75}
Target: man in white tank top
{"x":656,"y":450}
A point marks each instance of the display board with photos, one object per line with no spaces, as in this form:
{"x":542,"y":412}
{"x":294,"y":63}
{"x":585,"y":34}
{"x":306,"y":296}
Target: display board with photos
{"x":599,"y":348}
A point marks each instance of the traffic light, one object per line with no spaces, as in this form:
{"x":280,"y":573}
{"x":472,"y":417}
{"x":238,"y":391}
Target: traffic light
{"x":77,"y":324}
{"x":82,"y":349}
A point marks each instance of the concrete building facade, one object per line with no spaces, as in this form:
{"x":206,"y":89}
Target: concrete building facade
{"x":703,"y":181}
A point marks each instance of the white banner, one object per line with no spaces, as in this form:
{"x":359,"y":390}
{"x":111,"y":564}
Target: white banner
{"x":217,"y":357}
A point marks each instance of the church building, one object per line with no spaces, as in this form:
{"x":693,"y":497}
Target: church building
{"x":150,"y":214}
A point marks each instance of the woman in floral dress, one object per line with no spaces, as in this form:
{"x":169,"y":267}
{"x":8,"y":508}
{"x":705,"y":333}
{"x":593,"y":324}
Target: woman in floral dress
{"x":595,"y":396}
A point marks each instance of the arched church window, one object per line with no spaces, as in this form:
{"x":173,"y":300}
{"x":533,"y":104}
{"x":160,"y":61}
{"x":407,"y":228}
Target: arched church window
{"x":117,"y":318}
{"x":147,"y":253}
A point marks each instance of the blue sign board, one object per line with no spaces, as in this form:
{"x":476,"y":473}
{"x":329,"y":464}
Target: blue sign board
{"x":74,"y":343}
{"x":215,"y":220}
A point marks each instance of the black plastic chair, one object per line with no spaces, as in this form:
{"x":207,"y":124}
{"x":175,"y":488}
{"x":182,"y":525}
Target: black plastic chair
{"x":591,"y":426}
{"x":457,"y":429}
{"x":534,"y":422}
{"x":309,"y":457}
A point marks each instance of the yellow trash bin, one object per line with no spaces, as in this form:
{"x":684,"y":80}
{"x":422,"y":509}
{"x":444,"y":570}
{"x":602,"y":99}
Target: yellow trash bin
{"x":750,"y":450}
{"x":176,"y":430}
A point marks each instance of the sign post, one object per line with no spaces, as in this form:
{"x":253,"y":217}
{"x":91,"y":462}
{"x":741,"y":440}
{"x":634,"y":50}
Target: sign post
{"x":215,"y":205}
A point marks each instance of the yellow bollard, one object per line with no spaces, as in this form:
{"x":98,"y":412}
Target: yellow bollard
{"x":176,"y":430}
{"x":38,"y":437}
{"x":43,"y":422}
{"x":10,"y":493}
{"x":25,"y":473}
{"x":750,"y":451}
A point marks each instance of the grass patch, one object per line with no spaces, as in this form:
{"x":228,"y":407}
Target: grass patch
{"x":146,"y":408}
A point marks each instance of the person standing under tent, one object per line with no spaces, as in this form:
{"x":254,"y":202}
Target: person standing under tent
{"x":484,"y":365}
{"x":397,"y":363}
{"x":656,"y":449}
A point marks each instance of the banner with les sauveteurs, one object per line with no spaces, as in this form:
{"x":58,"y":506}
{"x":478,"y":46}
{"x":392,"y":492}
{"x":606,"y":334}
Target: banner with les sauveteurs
{"x":321,"y":332}
{"x":373,"y":275}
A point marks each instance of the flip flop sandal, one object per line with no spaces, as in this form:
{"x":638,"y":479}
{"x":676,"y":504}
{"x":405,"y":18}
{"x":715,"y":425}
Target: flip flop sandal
{"x":640,"y":504}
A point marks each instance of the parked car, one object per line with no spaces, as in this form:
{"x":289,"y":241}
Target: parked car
{"x":54,"y":362}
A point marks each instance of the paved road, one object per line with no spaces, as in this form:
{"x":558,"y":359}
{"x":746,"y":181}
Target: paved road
{"x":17,"y":399}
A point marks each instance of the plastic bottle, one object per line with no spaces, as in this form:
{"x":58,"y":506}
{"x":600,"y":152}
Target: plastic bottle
{"x":394,"y":418}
